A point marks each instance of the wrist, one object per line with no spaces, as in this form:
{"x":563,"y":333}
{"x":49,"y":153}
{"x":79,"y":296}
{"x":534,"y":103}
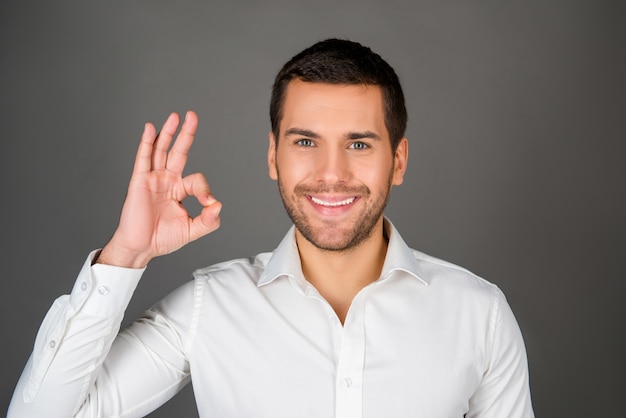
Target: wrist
{"x":114,"y":255}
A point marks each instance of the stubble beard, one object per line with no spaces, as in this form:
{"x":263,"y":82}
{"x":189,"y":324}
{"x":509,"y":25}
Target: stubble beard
{"x":356,"y":233}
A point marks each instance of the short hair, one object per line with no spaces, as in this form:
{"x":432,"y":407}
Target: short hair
{"x":338,"y":61}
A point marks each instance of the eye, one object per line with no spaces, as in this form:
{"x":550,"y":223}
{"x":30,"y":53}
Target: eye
{"x":359,"y":145}
{"x":305,"y":142}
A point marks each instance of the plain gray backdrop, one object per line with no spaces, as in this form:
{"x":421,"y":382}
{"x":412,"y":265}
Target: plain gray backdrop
{"x":517,"y":146}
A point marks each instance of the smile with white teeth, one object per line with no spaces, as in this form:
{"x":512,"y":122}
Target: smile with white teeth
{"x":332,"y":204}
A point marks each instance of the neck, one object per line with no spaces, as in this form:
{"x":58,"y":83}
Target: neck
{"x":339,"y":275}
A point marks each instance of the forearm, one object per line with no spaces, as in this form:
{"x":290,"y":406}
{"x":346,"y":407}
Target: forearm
{"x":73,"y":341}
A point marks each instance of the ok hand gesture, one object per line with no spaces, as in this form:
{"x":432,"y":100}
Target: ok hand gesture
{"x":153,"y":221}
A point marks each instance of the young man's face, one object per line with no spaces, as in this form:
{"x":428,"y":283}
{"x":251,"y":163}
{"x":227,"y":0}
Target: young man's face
{"x":334,"y":163}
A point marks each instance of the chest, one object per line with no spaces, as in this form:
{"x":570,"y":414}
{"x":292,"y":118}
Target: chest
{"x":263,"y":358}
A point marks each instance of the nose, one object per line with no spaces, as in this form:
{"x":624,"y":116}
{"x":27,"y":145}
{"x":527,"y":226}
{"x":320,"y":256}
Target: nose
{"x":332,"y":166}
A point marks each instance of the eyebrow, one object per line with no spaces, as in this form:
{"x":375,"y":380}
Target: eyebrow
{"x":351,"y":135}
{"x":363,"y":135}
{"x":301,"y":132}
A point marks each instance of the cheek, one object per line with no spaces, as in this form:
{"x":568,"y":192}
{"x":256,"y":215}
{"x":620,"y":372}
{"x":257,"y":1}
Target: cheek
{"x":291,"y":170}
{"x":376,"y":175}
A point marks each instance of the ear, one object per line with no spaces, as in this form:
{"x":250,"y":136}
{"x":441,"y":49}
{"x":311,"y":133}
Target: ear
{"x":401,"y":157}
{"x":271,"y":157}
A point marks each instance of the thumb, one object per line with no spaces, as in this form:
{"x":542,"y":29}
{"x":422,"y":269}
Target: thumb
{"x":206,"y":222}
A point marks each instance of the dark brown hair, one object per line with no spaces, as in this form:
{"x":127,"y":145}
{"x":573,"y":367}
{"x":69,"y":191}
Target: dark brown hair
{"x":338,"y":61}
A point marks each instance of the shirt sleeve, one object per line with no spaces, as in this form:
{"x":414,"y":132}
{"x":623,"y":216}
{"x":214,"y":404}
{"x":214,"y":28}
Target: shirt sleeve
{"x":504,"y":390}
{"x":81,"y":367}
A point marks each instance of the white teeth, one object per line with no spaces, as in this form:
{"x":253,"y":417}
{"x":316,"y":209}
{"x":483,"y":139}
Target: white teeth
{"x":332,"y":204}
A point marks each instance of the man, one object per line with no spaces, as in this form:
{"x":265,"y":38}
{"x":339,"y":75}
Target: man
{"x":342,"y":319}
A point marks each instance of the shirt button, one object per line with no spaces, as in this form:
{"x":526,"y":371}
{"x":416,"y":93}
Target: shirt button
{"x":347,"y":383}
{"x":52,"y":344}
{"x":103,"y":290}
{"x":83,"y":286}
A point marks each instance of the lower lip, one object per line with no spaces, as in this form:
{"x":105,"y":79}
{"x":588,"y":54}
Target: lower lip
{"x":331,"y":210}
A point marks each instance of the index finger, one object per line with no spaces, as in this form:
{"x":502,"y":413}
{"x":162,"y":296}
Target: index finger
{"x":177,"y":157}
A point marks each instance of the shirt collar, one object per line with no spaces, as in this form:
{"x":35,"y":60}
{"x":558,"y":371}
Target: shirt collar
{"x":285,"y":260}
{"x":399,"y":256}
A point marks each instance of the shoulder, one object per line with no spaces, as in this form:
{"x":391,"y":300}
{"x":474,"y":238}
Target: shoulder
{"x":231,"y":274}
{"x":467,"y":297}
{"x":240,"y":269}
{"x":218,"y":284}
{"x":438,"y":275}
{"x":456,"y":281}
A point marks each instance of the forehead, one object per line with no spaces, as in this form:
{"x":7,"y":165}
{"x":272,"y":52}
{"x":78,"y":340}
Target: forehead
{"x":323,"y":106}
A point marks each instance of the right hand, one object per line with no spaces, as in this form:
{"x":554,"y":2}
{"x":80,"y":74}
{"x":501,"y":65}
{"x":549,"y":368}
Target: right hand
{"x":153,"y":221}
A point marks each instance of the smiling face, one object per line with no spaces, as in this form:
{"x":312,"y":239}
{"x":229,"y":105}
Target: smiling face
{"x":334,"y":163}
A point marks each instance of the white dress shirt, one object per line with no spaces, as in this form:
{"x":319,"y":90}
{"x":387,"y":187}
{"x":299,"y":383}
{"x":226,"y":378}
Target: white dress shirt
{"x":427,"y":339}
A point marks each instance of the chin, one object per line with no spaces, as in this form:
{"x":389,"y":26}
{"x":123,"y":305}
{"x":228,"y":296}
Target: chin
{"x":334,"y":240}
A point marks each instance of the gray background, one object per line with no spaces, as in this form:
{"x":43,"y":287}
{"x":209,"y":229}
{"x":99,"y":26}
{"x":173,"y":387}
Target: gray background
{"x":516,"y":166}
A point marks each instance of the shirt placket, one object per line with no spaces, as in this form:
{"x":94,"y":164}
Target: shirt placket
{"x":349,"y":381}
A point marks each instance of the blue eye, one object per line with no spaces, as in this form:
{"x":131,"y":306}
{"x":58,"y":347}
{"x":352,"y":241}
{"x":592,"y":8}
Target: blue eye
{"x":359,"y":145}
{"x":305,"y":142}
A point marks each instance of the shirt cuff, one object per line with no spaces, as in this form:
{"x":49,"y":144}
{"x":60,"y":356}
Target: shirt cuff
{"x":103,"y":290}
